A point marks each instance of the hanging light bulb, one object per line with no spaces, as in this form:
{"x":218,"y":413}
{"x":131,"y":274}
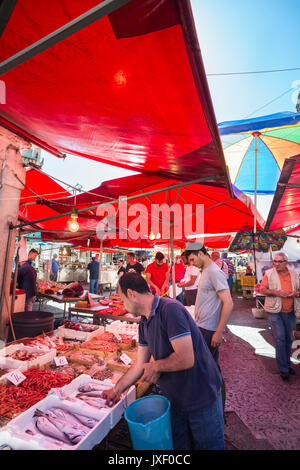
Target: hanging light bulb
{"x":158,"y":236}
{"x":73,"y":225}
{"x":151,"y":236}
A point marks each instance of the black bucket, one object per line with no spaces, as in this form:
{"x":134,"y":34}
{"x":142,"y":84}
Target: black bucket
{"x":31,"y":324}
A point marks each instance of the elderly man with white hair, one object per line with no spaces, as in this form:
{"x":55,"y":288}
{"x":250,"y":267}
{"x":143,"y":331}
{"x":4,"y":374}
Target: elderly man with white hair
{"x":281,"y":288}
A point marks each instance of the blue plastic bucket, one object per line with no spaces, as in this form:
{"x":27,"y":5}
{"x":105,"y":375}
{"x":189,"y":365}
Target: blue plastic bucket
{"x":149,"y":423}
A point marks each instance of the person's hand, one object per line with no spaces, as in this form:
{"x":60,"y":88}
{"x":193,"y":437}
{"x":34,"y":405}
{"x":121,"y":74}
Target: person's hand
{"x":158,"y":291}
{"x":150,"y":375}
{"x":216,"y":339}
{"x":283,"y":293}
{"x":294,"y":293}
{"x":111,"y":396}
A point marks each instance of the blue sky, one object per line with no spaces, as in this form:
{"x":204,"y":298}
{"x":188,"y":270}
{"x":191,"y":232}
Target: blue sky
{"x":234,"y":36}
{"x":237,"y":36}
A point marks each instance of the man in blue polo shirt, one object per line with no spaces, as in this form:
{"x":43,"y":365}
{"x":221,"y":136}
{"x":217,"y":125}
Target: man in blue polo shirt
{"x":183,"y":366}
{"x":93,"y":267}
{"x":54,"y":268}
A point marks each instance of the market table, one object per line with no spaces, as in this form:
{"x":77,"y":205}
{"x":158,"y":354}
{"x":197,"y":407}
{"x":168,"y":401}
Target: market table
{"x":65,"y":300}
{"x":96,"y":312}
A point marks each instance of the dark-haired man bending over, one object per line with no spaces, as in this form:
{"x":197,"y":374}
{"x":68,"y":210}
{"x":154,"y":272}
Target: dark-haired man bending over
{"x":183,"y":366}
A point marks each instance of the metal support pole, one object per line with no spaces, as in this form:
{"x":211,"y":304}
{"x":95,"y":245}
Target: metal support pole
{"x":100,"y":264}
{"x":13,"y":295}
{"x":255,"y":134}
{"x":8,"y":245}
{"x":172,"y":254}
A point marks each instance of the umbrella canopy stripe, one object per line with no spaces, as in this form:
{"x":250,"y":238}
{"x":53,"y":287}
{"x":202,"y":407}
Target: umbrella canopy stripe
{"x":285,"y":208}
{"x":271,"y":121}
{"x":277,"y":137}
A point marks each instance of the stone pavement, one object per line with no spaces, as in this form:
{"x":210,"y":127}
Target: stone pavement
{"x":262,"y":411}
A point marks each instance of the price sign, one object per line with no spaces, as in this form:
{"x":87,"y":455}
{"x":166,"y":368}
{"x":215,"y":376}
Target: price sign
{"x":118,"y":336}
{"x":15,"y":377}
{"x":126,"y":359}
{"x":60,"y":361}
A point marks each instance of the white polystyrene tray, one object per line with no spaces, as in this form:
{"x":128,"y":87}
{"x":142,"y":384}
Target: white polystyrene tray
{"x":115,"y":412}
{"x":80,"y":335}
{"x":122,"y":328}
{"x":8,"y":363}
{"x":48,"y":356}
{"x":15,"y":436}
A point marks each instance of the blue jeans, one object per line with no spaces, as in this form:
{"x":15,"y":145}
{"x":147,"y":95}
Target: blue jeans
{"x":94,"y":286}
{"x":230,"y":283}
{"x":282,"y":325}
{"x":202,"y":429}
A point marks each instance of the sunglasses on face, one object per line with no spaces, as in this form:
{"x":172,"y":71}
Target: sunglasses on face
{"x":280,"y":261}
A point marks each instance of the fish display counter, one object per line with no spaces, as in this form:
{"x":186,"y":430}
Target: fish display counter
{"x":37,"y":402}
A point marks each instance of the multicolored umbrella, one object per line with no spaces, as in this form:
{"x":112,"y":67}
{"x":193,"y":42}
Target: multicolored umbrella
{"x":277,"y":137}
{"x":259,"y":241}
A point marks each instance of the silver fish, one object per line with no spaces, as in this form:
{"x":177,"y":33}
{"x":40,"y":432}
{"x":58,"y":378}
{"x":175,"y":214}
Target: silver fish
{"x":95,"y":402}
{"x":48,"y":429}
{"x":94,"y":393}
{"x":73,"y":433}
{"x":86,"y":420}
{"x":91,"y":387}
{"x":69,"y":418}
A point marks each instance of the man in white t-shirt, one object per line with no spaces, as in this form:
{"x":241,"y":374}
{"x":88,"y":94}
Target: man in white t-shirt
{"x":190,"y":283}
{"x":214,"y":303}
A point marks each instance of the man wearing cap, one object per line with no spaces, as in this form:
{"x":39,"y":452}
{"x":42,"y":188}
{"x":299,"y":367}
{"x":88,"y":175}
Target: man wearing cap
{"x":183,"y":366}
{"x":214,"y":303}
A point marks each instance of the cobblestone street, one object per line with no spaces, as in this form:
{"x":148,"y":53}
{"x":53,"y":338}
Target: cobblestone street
{"x":262,"y":411}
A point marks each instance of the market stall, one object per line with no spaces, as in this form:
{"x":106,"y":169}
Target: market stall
{"x":54,"y":382}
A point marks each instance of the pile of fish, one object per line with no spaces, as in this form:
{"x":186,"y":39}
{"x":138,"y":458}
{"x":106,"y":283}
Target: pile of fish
{"x":79,"y":356}
{"x":62,"y":425}
{"x":91,"y":393}
{"x":23,"y":355}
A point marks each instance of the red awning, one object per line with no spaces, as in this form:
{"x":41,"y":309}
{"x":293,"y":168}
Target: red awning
{"x":285,"y":208}
{"x":129,"y":90}
{"x":222,"y":213}
{"x":38,"y":185}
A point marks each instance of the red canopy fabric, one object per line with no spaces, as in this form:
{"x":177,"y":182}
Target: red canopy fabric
{"x":293,"y":230}
{"x":38,"y":185}
{"x":285,"y":208}
{"x":221,"y":213}
{"x":129,"y":90}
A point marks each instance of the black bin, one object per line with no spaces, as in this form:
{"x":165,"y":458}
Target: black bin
{"x":31,"y":324}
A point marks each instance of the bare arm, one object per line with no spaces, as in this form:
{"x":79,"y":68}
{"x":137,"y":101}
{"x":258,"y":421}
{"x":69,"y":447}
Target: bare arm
{"x":166,"y":283}
{"x":226,"y":311}
{"x":130,"y":378}
{"x":272,"y":292}
{"x":191,"y":282}
{"x":148,"y":279}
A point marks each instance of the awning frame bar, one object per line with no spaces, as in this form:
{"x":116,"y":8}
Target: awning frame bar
{"x":74,"y":26}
